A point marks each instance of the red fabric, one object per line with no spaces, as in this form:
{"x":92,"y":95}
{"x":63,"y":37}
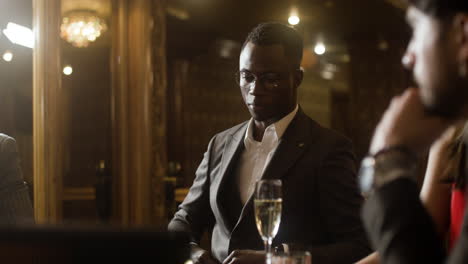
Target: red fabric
{"x":457,"y":209}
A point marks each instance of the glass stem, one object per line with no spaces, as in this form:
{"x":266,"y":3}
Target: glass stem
{"x":268,"y":250}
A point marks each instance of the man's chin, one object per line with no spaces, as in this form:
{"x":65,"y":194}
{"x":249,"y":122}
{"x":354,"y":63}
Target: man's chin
{"x":260,"y":118}
{"x":447,"y":100}
{"x":258,"y":115}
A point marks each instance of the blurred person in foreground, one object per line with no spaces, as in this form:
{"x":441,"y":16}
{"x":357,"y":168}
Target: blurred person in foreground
{"x":399,"y":226}
{"x":15,"y":203}
{"x":444,"y":186}
{"x":321,"y":199}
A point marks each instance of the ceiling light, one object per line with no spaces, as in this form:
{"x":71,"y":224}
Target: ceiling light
{"x":294,"y":16}
{"x":7,"y":56}
{"x":383,"y":45}
{"x":328,"y":75}
{"x":80,"y":28}
{"x":179,"y":13}
{"x":67,"y":70}
{"x":294,"y":20}
{"x":345,"y":58}
{"x":319,"y":48}
{"x":20,"y":35}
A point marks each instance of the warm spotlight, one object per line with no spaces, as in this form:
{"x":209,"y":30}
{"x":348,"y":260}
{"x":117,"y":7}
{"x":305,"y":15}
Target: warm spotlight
{"x":7,"y":56}
{"x":294,"y":20}
{"x":19,"y":35}
{"x":67,"y":70}
{"x":319,"y":49}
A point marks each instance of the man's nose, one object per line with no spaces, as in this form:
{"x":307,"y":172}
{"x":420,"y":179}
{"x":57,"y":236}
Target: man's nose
{"x":256,"y":87}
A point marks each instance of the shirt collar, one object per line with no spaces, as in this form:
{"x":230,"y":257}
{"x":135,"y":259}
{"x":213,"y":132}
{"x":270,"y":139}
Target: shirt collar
{"x":278,"y":128}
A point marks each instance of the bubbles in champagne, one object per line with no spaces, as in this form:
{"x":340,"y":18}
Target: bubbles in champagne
{"x":268,"y":217}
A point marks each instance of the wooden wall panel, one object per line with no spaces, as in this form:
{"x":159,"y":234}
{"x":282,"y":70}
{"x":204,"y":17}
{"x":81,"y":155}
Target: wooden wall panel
{"x":376,"y":76}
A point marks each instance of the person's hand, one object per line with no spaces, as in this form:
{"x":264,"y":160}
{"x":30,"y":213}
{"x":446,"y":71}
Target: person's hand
{"x":201,"y":256}
{"x":370,"y":259}
{"x":245,"y":257}
{"x":444,"y":143}
{"x":406,"y":123}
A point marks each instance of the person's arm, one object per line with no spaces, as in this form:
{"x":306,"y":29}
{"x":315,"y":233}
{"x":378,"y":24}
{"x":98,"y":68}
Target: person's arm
{"x":194,"y":215}
{"x":400,"y":227}
{"x":436,"y":190}
{"x":340,"y":203}
{"x":16,"y":206}
{"x":370,"y":259}
{"x":435,"y":193}
{"x":397,"y":222}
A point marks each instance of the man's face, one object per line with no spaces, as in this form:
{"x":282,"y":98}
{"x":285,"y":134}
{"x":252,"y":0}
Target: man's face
{"x":432,"y":57}
{"x":267,"y":81}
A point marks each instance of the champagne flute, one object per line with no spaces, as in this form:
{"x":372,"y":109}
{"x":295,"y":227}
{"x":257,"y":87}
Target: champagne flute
{"x":268,"y":200}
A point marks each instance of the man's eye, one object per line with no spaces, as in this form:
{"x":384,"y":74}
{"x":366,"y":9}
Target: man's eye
{"x":248,"y":77}
{"x":271,"y":78}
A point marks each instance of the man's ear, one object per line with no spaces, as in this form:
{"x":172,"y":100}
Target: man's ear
{"x":298,"y":76}
{"x":461,"y":25}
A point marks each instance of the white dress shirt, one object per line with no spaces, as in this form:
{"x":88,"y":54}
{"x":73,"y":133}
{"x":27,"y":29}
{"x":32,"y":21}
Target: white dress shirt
{"x":256,"y":156}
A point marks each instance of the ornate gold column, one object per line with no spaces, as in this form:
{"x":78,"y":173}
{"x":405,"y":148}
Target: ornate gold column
{"x":138,"y":113}
{"x":49,"y":115}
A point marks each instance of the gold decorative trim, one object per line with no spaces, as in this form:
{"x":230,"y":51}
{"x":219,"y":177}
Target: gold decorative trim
{"x":180,"y":194}
{"x":79,"y":194}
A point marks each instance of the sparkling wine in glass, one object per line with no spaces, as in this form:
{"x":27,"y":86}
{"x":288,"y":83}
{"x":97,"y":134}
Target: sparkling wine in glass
{"x":267,"y":201}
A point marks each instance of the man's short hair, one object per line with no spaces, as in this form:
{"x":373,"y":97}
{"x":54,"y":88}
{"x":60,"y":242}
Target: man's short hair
{"x":440,"y":8}
{"x":272,"y":33}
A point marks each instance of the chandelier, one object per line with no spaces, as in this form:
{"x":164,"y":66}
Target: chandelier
{"x":79,"y":28}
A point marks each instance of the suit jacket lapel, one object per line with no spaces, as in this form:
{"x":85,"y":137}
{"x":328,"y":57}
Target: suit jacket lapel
{"x":233,"y":146}
{"x":294,"y":142}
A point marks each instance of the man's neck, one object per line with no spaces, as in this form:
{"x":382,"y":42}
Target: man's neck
{"x":259,"y":128}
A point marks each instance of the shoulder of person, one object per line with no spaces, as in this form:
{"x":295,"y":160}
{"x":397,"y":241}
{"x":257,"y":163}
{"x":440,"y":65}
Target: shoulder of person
{"x":231,"y":131}
{"x":326,"y":135}
{"x":7,"y":143}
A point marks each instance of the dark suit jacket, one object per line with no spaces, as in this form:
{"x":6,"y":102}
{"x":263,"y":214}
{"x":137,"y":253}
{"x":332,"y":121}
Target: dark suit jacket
{"x":321,"y":202}
{"x":15,"y":202}
{"x":401,"y":229}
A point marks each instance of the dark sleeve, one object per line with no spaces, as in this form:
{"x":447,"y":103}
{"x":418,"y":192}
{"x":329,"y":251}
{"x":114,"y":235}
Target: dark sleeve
{"x":15,"y":203}
{"x":399,"y":226}
{"x":194,"y":215}
{"x":340,"y":204}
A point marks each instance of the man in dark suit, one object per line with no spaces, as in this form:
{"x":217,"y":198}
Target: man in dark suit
{"x":15,"y":203}
{"x":321,"y":200}
{"x":399,"y":226}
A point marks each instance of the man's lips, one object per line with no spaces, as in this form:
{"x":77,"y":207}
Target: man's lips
{"x":256,"y":106}
{"x":257,"y":101}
